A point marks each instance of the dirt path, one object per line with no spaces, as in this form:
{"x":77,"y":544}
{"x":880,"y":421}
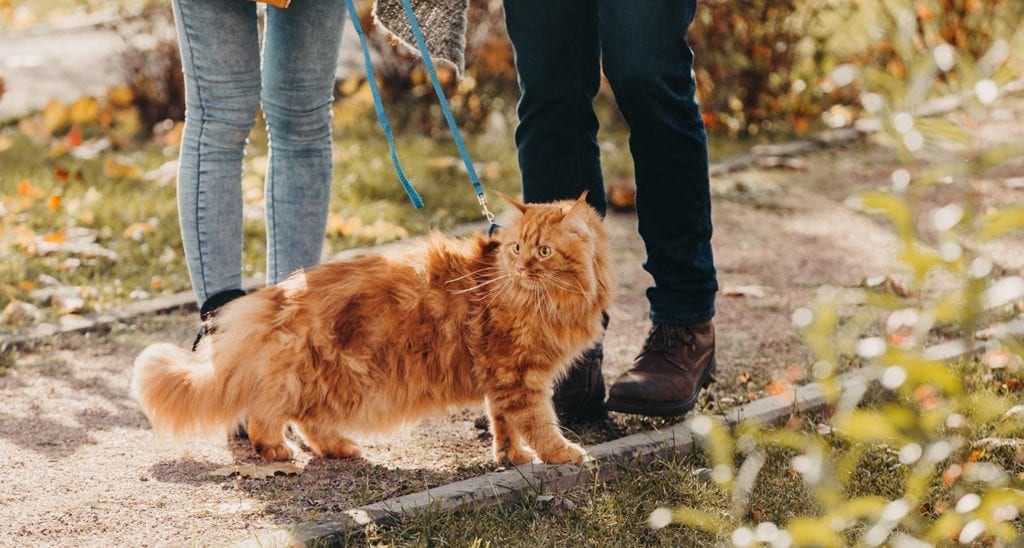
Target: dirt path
{"x":80,"y":465}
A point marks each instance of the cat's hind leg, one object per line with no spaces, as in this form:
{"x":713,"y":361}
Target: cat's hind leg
{"x":267,"y":438}
{"x":323,"y":438}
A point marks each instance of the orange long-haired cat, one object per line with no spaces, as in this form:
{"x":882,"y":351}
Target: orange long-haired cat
{"x":366,"y":346}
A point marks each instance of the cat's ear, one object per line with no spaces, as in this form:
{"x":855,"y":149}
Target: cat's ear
{"x":515,"y":203}
{"x":575,"y":223}
{"x":580,"y":202}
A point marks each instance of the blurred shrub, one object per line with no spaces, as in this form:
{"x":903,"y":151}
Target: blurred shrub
{"x":151,"y":64}
{"x":762,"y":64}
{"x":946,"y":407}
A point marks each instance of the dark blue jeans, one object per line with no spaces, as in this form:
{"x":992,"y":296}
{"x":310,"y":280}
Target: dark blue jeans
{"x":560,"y":46}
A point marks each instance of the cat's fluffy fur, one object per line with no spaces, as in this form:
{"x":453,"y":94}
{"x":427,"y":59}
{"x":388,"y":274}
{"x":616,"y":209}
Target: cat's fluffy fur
{"x":365,"y":346}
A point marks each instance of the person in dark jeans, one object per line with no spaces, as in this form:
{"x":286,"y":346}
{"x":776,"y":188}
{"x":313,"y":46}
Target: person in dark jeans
{"x":560,"y":48}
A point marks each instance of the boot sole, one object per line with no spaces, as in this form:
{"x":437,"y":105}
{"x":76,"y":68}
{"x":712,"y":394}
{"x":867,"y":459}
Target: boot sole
{"x":671,"y":409}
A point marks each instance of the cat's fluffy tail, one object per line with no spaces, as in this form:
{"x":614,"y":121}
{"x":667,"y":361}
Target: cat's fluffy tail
{"x":181,"y":393}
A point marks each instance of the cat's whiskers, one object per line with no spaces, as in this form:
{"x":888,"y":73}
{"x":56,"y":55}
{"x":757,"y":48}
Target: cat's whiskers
{"x":563,"y":285}
{"x":464,"y":276}
{"x":479,"y":285}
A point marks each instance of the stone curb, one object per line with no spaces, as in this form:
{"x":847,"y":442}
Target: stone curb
{"x":536,"y":479}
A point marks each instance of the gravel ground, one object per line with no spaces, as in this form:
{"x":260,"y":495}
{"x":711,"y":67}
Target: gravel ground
{"x":81,"y":466}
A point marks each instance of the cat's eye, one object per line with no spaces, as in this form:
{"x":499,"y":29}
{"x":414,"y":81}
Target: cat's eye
{"x":544,"y":251}
{"x":515,"y":249}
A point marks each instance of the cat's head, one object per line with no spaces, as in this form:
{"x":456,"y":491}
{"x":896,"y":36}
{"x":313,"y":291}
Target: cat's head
{"x":559,"y":247}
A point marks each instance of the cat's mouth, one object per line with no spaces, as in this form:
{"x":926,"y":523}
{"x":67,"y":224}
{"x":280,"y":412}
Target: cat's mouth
{"x":528,"y":282}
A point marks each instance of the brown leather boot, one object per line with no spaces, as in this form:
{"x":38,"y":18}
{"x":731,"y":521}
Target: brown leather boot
{"x":676,"y":363}
{"x":579,"y":397}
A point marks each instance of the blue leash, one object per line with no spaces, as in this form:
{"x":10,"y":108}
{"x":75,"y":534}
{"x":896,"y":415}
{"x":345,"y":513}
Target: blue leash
{"x":378,"y":105}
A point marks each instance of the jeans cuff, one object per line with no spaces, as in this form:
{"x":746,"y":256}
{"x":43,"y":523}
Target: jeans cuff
{"x":681,"y":319}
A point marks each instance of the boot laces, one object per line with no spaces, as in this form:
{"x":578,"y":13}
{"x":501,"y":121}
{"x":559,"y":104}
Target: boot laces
{"x":664,"y":337}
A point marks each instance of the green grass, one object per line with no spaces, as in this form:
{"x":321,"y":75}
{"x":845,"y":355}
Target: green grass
{"x":368,"y":205}
{"x":615,"y":512}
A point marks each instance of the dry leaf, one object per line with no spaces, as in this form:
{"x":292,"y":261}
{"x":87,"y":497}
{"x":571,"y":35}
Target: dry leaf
{"x":744,"y":377}
{"x":755,"y":291}
{"x":135,"y":231}
{"x":115,"y":169}
{"x":257,"y":471}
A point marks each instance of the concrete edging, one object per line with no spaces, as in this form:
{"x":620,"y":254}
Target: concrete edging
{"x":511,"y":484}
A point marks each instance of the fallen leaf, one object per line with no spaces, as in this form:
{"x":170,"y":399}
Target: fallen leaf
{"x":887,"y":283}
{"x":135,"y":231}
{"x":55,"y":237}
{"x":84,"y":110}
{"x":74,"y":138}
{"x":755,"y":291}
{"x":622,"y":194}
{"x":116,"y":169}
{"x":777,"y":387}
{"x":54,"y":202}
{"x":55,"y":116}
{"x":795,"y":373}
{"x":744,"y":377}
{"x":257,"y":471}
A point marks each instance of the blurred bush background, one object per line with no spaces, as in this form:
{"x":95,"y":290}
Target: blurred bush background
{"x":96,"y":173}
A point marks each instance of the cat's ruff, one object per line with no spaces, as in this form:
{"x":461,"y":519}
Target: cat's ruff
{"x":365,"y":346}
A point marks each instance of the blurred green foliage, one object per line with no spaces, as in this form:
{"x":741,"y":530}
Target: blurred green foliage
{"x":945,"y":402}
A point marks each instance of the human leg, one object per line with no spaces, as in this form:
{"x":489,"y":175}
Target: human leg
{"x":299,"y":59}
{"x":650,"y":68}
{"x":219,"y":51}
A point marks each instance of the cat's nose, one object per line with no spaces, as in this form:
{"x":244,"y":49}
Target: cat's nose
{"x":520,"y":268}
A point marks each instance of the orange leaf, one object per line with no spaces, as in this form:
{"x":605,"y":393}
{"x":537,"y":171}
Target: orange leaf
{"x":777,"y":387}
{"x":74,"y":138}
{"x":975,"y":455}
{"x":950,"y":475}
{"x":744,"y":377}
{"x":27,"y":285}
{"x":62,"y":174}
{"x":136,"y":230}
{"x":55,"y":237}
{"x":54,"y":202}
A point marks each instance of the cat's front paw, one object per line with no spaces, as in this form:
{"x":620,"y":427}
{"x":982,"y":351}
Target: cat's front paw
{"x":570,"y":453}
{"x":514,"y":456}
{"x":273,"y":452}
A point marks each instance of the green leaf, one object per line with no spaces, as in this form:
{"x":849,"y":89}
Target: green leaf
{"x":698,"y":519}
{"x":812,"y":532}
{"x":1001,"y":222}
{"x":942,"y":129}
{"x":893,"y":207}
{"x":998,"y":155}
{"x":865,"y":425}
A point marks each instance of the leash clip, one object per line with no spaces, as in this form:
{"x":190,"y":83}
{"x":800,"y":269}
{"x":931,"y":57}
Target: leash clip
{"x":482,"y":199}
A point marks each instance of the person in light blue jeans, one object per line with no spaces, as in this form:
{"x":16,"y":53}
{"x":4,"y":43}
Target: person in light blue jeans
{"x":227,"y":81}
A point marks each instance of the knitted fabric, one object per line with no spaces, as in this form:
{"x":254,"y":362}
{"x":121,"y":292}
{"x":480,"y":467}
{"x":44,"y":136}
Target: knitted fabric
{"x":443,"y":23}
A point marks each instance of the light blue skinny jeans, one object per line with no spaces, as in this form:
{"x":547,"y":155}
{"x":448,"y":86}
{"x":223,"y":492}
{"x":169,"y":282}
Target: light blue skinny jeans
{"x":225,"y":85}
